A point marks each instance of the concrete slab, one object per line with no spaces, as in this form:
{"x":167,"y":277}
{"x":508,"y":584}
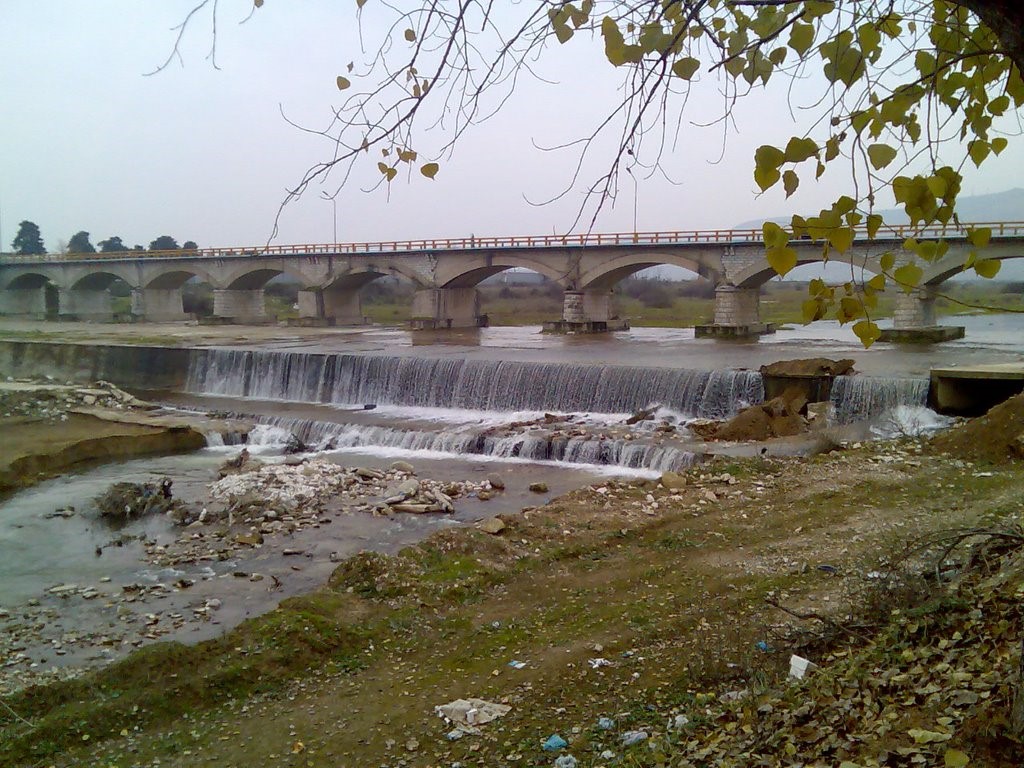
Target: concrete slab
{"x":733,"y":331}
{"x":931,"y":335}
{"x":973,"y":390}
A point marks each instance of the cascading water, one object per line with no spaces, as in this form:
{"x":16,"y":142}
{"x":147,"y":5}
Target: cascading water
{"x":353,"y":380}
{"x":536,"y":446}
{"x":866,"y":398}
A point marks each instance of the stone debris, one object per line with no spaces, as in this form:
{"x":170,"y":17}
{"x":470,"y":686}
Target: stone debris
{"x":127,"y":501}
{"x":53,"y":401}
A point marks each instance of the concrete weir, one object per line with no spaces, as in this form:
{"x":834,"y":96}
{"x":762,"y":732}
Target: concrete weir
{"x":973,"y":390}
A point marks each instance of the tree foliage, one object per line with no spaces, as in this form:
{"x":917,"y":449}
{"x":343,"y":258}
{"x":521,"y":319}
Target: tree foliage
{"x":79,"y":243}
{"x":28,"y":241}
{"x":911,"y":92}
{"x":112,"y":244}
{"x":164,"y":243}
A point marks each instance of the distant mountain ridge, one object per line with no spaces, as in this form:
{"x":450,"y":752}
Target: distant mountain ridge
{"x":997,"y":206}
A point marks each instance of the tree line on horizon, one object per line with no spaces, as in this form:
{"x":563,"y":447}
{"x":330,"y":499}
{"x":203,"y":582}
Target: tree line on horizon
{"x":29,"y":242}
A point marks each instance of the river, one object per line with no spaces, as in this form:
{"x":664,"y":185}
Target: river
{"x":458,"y":405}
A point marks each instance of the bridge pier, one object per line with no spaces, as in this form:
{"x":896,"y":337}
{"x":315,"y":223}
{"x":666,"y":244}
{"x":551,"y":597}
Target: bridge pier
{"x":913,"y":320}
{"x":446,"y":308}
{"x":330,"y":307}
{"x":29,"y":303}
{"x":158,"y":304}
{"x":240,"y":306}
{"x":82,"y":304}
{"x":737,"y":315}
{"x":586,"y":312}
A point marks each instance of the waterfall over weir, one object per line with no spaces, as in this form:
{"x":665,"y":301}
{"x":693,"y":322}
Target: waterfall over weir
{"x":532,"y":446}
{"x":866,"y":398}
{"x":471,"y":384}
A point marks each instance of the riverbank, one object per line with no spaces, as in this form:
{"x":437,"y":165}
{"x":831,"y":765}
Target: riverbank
{"x":50,"y":429}
{"x":636,"y":601}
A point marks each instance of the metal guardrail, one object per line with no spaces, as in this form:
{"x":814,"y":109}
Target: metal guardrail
{"x":1012,"y":229}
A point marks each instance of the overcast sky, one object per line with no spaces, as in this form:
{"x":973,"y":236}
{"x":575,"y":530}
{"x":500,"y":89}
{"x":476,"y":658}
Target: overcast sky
{"x":89,"y":142}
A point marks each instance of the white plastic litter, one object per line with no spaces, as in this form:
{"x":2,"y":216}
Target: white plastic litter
{"x":799,"y":667}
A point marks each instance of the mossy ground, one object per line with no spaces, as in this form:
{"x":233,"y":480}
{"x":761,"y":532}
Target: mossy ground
{"x":674,"y":597}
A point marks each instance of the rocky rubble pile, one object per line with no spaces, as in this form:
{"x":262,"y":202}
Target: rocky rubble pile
{"x":781,"y":416}
{"x":127,"y":501}
{"x":297,"y":485}
{"x":271,"y":500}
{"x":53,"y":401}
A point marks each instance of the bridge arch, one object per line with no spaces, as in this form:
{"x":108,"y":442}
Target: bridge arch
{"x":609,"y":273}
{"x":173,"y":279}
{"x":27,"y":279}
{"x":356,"y":278}
{"x":98,"y":280}
{"x":251,"y":279}
{"x":469,"y":275}
{"x":949,"y":267}
{"x":757,"y":274}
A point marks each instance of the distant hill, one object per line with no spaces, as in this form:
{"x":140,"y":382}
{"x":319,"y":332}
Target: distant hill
{"x":998,"y":206}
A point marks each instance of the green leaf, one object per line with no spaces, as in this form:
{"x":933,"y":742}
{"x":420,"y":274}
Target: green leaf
{"x":615,"y":48}
{"x":410,"y":35}
{"x":908,"y":276}
{"x":798,"y":150}
{"x":841,"y":239}
{"x":876,"y":283}
{"x":685,"y":68}
{"x":867,"y":331}
{"x":979,"y":237}
{"x":387,"y":170}
{"x":768,"y":156}
{"x":954,"y":758}
{"x":978,"y":150}
{"x":812,"y":309}
{"x":343,"y":83}
{"x":767,"y":160}
{"x":888,"y":261}
{"x":999,"y":105}
{"x":790,"y":181}
{"x":781,"y":259}
{"x":801,"y":38}
{"x":429,"y":170}
{"x":766,"y":177}
{"x":998,"y":144}
{"x":774,"y":235}
{"x":875,"y":221}
{"x":850,"y":308}
{"x":881,"y":155}
{"x":988,"y":268}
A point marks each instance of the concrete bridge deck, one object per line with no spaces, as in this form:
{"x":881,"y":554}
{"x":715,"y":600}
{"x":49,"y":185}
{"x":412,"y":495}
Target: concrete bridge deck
{"x":446,"y":273}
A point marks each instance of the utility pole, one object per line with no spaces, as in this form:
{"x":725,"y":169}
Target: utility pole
{"x":334,"y":208}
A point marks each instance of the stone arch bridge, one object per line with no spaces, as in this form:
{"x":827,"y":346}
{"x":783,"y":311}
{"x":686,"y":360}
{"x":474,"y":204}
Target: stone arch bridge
{"x":446,"y":273}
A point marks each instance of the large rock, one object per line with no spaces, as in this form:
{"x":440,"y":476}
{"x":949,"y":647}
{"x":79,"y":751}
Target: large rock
{"x":673,"y":481}
{"x":492,"y":525}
